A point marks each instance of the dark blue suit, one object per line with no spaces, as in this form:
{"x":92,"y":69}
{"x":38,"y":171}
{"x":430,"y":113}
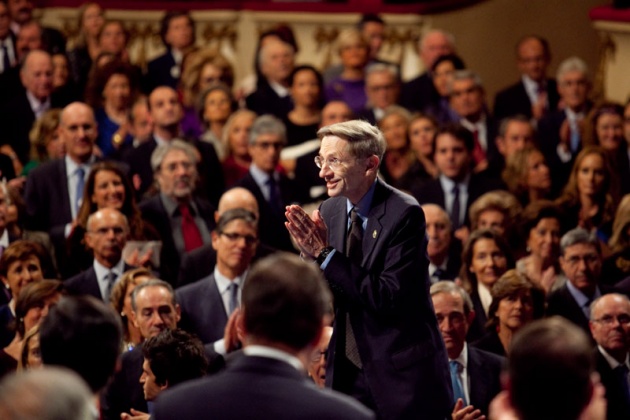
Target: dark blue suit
{"x":203,"y":312}
{"x":484,"y":371}
{"x":256,"y":387}
{"x":514,"y":100}
{"x":159,"y":72}
{"x":387,"y":299}
{"x":86,"y":283}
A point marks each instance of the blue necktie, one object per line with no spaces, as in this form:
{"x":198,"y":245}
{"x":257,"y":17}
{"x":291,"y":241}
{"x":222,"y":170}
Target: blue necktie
{"x":455,"y":209}
{"x":233,"y":288}
{"x":458,"y":390}
{"x":80,"y":184}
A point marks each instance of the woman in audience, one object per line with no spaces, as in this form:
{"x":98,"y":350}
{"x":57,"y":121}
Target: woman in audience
{"x":541,"y":233}
{"x":422,"y":130}
{"x":201,"y":70}
{"x":33,"y":304}
{"x":113,"y":39}
{"x":617,"y":266}
{"x":30,"y":354}
{"x":586,"y":201}
{"x":515,"y":303}
{"x":111,"y":91}
{"x":21,"y":263}
{"x":399,"y":167}
{"x":306,"y":87}
{"x":442,"y":71}
{"x":527,"y":175}
{"x":90,"y":22}
{"x":106,"y":187}
{"x":349,"y":87}
{"x":496,"y":210}
{"x":486,"y":256}
{"x":120,"y":299}
{"x":45,"y":142}
{"x":215,"y":106}
{"x":236,"y":141}
{"x":63,"y":85}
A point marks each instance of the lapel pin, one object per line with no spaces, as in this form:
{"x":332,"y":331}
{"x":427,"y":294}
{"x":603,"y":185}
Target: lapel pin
{"x":374,"y":234}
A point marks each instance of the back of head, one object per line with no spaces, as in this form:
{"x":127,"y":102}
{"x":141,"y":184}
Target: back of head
{"x":284,"y":302}
{"x":45,"y":394}
{"x":550,"y":367}
{"x":82,"y":334}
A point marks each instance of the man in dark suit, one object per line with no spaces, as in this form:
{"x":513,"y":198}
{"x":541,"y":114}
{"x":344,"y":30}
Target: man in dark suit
{"x":272,"y":189}
{"x":610,"y":327}
{"x":276,"y":59}
{"x":514,"y":134}
{"x":444,"y":255}
{"x":54,"y":189}
{"x":177,"y":30}
{"x":475,"y":374}
{"x":207,"y":304}
{"x":183,"y":221}
{"x":560,"y":132}
{"x":581,"y":262}
{"x":166,"y":114}
{"x":21,"y":12}
{"x":417,"y":94}
{"x":8,"y":55}
{"x":369,"y":240}
{"x":20,"y":110}
{"x":534,"y":95}
{"x":382,"y":88}
{"x":106,"y":236}
{"x":467,"y":99}
{"x":154,"y":310}
{"x":457,"y":187}
{"x":279,"y":340}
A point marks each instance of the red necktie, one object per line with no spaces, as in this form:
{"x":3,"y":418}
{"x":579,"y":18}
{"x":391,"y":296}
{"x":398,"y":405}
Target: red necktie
{"x":190,"y":230}
{"x":478,"y":153}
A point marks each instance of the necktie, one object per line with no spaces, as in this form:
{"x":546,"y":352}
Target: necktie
{"x":439,"y":273}
{"x":478,"y":153}
{"x":233,"y":288}
{"x":80,"y":184}
{"x":458,"y":390}
{"x":190,"y":230}
{"x":274,"y":195}
{"x":355,"y":253}
{"x":110,"y":278}
{"x":6,"y":61}
{"x":455,"y":208}
{"x":587,"y":308}
{"x":622,"y":374}
{"x":575,"y":135}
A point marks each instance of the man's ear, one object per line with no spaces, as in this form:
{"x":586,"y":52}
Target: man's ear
{"x":373,"y":162}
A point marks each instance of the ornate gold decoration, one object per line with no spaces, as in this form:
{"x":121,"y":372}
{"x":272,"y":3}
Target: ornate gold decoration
{"x":607,"y":49}
{"x":226,"y":32}
{"x":325,"y":38}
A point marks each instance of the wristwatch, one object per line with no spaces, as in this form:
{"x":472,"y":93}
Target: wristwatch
{"x":323,"y":254}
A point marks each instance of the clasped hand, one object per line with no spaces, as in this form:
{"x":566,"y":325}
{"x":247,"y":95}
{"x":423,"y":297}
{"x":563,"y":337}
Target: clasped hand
{"x":309,"y":232}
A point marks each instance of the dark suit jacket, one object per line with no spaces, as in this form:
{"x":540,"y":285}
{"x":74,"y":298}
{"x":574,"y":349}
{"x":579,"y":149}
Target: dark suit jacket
{"x":484,"y":372}
{"x":265,"y":100}
{"x":153,"y":211}
{"x":491,"y":343}
{"x":514,"y":100}
{"x":203,"y":312}
{"x":159,"y":72}
{"x":618,"y":407}
{"x":387,"y":299}
{"x":200,"y":263}
{"x":419,"y":93}
{"x":431,"y":191}
{"x":211,"y":183}
{"x":271,"y":229}
{"x":86,"y":283}
{"x":478,"y":327}
{"x":125,"y":390}
{"x":256,"y":387}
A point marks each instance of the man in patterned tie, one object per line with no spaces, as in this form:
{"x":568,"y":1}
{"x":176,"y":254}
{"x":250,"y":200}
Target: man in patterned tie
{"x":369,"y":240}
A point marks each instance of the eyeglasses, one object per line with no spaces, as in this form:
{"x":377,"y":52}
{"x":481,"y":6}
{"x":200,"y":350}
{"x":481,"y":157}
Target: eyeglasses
{"x":276,"y":145}
{"x":332,"y":163}
{"x":318,"y":356}
{"x":172,"y":167}
{"x":233,"y":237}
{"x":118,"y":231}
{"x":609,"y":320}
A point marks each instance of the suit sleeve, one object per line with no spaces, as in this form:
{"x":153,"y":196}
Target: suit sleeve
{"x":397,"y":271}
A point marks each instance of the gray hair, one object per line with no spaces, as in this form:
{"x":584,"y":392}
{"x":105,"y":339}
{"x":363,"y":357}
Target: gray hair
{"x":445,"y":217}
{"x":176,"y":144}
{"x":94,"y":215}
{"x":267,"y":124}
{"x":505,"y":122}
{"x":382,"y":68}
{"x":445,"y":286}
{"x":51,"y":393}
{"x":397,"y":110}
{"x":571,"y":64}
{"x":262,"y":54}
{"x":152,"y":283}
{"x":579,"y":236}
{"x":465,"y":75}
{"x":364,"y":140}
{"x":449,"y":37}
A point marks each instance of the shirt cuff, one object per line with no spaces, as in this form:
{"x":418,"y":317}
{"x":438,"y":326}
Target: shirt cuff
{"x":565,"y":156}
{"x":327,"y":260}
{"x":219,"y":347}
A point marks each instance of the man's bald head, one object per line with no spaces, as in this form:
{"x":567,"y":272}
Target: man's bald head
{"x":77,"y":129}
{"x":237,"y":198}
{"x":36,"y":74}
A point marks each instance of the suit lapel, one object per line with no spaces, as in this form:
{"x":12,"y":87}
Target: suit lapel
{"x":338,"y":225}
{"x":62,"y":184}
{"x":478,"y":387}
{"x":374,"y":229}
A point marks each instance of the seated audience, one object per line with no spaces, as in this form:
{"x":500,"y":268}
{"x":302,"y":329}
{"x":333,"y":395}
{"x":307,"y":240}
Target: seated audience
{"x":215,"y":107}
{"x":120,"y":299}
{"x":616,"y":266}
{"x":46,"y":144}
{"x":90,"y":20}
{"x":422,"y":130}
{"x":527,"y":175}
{"x":382,"y":88}
{"x":496,"y":210}
{"x":441,"y":74}
{"x":515,"y":133}
{"x":443,"y":252}
{"x":306,"y":89}
{"x":236,"y":144}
